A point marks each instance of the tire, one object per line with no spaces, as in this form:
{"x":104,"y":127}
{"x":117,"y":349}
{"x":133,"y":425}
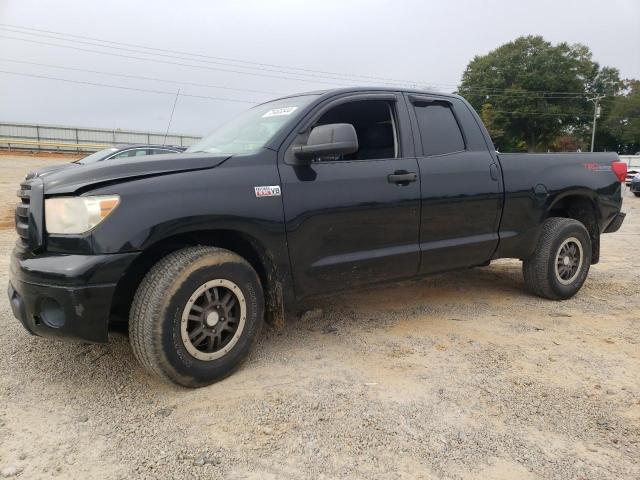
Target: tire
{"x":637,"y":194}
{"x":189,"y":290}
{"x":545,"y":272}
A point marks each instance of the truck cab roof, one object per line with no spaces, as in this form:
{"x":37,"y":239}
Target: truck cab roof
{"x":327,"y":93}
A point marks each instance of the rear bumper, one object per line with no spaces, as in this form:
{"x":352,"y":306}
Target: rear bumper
{"x":615,"y":223}
{"x":65,"y":296}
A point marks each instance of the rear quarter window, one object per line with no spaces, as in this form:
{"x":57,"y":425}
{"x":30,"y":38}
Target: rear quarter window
{"x":439,"y":130}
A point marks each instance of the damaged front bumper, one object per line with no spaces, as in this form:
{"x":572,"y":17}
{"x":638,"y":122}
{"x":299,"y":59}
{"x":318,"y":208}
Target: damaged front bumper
{"x":65,"y":296}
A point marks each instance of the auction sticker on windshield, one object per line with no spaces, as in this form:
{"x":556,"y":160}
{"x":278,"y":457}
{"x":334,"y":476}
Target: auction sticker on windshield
{"x":278,"y":112}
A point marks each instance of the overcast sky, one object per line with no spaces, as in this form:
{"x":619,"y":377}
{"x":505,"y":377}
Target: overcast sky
{"x":251,"y":45}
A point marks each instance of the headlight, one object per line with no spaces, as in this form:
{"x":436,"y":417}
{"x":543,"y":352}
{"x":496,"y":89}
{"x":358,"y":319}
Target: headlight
{"x":73,"y":215}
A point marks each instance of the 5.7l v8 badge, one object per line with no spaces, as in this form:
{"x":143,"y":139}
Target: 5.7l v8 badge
{"x":267,"y":191}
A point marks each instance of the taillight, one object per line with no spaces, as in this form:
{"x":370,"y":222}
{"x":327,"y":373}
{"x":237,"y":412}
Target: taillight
{"x":620,"y":169}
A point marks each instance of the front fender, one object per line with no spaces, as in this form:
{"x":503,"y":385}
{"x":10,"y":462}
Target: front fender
{"x":221,"y":200}
{"x":154,"y":208}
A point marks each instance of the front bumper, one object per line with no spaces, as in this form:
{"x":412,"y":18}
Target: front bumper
{"x":65,"y":296}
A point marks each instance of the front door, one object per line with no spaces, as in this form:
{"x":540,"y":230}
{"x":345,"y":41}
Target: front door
{"x":354,"y":219}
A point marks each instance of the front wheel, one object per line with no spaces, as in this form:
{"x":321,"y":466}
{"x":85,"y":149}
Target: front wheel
{"x":637,"y":194}
{"x":195,"y":315}
{"x":560,"y":265}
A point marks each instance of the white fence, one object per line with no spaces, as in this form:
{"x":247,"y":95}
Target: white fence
{"x":56,"y":137}
{"x":632,"y":161}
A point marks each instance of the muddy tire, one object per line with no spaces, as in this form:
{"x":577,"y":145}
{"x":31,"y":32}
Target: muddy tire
{"x":196,"y":315}
{"x":560,"y":264}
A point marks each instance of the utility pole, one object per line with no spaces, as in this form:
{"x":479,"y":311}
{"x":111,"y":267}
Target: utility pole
{"x":596,"y":114}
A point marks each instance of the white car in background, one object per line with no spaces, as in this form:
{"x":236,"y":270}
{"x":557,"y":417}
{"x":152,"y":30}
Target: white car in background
{"x":633,"y":167}
{"x":111,"y":153}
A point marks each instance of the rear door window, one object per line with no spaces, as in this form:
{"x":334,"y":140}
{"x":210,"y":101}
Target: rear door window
{"x":439,"y":130}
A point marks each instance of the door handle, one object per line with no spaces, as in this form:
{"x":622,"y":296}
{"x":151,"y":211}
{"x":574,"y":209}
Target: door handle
{"x":493,"y":169}
{"x":402,"y":177}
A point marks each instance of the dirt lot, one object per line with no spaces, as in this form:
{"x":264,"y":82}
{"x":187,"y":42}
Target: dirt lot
{"x":459,"y":376}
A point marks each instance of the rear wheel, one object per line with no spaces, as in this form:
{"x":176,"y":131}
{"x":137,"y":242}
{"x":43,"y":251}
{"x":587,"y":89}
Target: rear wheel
{"x":195,"y":315}
{"x":560,"y":264}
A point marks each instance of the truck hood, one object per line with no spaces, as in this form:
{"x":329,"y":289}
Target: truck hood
{"x":71,"y":180}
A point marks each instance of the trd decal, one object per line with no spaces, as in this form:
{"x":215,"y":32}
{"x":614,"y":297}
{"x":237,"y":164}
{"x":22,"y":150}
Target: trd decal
{"x":594,"y":167}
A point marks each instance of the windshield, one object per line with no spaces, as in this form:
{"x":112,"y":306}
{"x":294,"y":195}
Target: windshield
{"x":251,"y":130}
{"x":97,"y":156}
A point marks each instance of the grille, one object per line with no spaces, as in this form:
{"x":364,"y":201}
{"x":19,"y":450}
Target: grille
{"x":22,"y":213}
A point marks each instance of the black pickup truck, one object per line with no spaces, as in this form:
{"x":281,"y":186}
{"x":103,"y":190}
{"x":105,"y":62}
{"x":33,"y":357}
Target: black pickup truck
{"x":304,"y":195}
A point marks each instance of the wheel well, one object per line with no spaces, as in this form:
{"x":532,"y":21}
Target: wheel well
{"x":242,"y":244}
{"x":582,"y":209}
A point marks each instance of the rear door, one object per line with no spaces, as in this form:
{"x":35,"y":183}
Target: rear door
{"x":349,"y":220}
{"x":460,"y":182}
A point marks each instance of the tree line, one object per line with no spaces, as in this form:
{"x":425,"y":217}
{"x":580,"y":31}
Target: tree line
{"x":536,"y":96}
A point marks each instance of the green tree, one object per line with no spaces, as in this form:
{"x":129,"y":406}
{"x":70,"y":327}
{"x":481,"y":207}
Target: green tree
{"x":535,"y":91}
{"x":619,"y":128}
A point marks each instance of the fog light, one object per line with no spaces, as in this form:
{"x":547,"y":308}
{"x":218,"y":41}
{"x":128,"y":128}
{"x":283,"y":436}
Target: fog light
{"x":51,"y":313}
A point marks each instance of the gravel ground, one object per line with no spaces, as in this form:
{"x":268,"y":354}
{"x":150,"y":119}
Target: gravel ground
{"x":457,"y":376}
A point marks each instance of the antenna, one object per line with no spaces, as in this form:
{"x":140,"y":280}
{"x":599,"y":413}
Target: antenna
{"x":164,"y":142}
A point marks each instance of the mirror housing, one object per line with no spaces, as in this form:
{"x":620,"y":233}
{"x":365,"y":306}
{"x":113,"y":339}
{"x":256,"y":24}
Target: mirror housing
{"x":331,"y":139}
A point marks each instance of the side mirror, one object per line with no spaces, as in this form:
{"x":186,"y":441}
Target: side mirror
{"x":332,"y":139}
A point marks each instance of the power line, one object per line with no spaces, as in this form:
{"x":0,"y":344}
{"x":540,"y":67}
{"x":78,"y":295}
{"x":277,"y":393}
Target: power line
{"x":478,"y":91}
{"x":96,"y":84}
{"x":165,"y":92}
{"x":514,"y":91}
{"x":334,"y":75}
{"x":542,"y":113}
{"x":341,"y":77}
{"x":312,"y":71}
{"x":171,"y":63}
{"x":554,"y":114}
{"x":175,"y":57}
{"x":553,"y":97}
{"x":533,"y":96}
{"x":138,"y":77}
